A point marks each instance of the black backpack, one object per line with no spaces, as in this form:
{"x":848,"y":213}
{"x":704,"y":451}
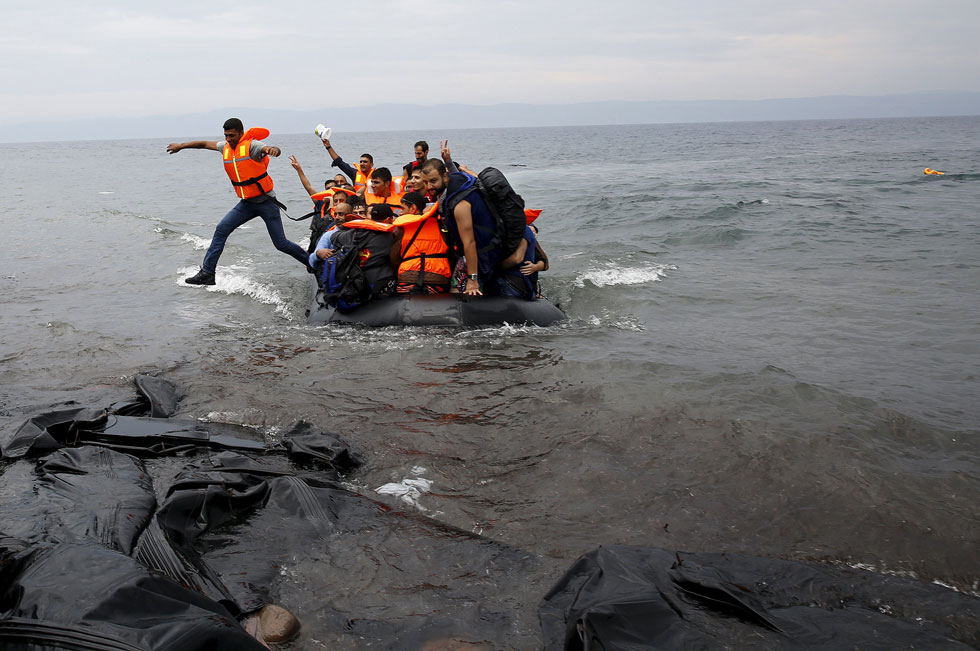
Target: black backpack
{"x":506,"y":206}
{"x":343,"y":281}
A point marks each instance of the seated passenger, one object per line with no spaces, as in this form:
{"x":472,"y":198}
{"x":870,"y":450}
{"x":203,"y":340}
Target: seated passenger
{"x":538,"y":263}
{"x":382,"y":190}
{"x":322,"y":248}
{"x":421,"y":155}
{"x":374,"y":241}
{"x":420,"y":253}
{"x":380,"y":212}
{"x":523,"y":280}
{"x":414,"y":183}
{"x":359,"y":175}
{"x":473,"y":229}
{"x":357,"y":206}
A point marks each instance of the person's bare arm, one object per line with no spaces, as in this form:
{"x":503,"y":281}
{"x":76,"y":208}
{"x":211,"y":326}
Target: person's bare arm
{"x":174,"y":147}
{"x":302,"y":175}
{"x":516,"y":257}
{"x":464,"y":224}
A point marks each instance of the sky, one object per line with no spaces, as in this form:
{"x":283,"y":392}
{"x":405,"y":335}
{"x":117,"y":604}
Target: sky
{"x":106,"y":58}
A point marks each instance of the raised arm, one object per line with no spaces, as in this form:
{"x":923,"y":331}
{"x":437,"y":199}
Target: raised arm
{"x":174,"y":147}
{"x":447,"y":156}
{"x":339,"y":162}
{"x":302,"y":175}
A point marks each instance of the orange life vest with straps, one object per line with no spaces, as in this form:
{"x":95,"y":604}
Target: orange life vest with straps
{"x":361,"y":180}
{"x":393,"y":200}
{"x":248,"y":177}
{"x":423,"y":248}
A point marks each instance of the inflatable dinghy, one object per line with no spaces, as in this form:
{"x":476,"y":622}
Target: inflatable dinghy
{"x":440,"y":310}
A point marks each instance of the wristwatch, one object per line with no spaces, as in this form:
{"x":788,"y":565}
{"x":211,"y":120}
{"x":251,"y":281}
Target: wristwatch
{"x":475,"y":277}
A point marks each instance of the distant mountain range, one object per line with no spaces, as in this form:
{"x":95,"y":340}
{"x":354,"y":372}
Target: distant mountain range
{"x":401,"y":117}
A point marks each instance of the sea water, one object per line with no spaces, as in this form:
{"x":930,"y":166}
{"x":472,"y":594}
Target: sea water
{"x":772,"y":344}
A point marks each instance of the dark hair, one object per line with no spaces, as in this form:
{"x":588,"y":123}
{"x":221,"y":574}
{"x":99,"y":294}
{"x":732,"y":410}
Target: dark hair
{"x":414,"y":199}
{"x":355,"y":201}
{"x":234,"y":123}
{"x":434,"y":164}
{"x":380,"y":212}
{"x":383,"y":174}
{"x":329,"y":183}
{"x":369,"y":157}
{"x":423,"y":144}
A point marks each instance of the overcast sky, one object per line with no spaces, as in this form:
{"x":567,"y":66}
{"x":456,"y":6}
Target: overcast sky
{"x":103,"y":58}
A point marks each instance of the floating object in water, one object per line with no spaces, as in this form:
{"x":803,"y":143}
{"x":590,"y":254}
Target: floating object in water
{"x":932,"y":171}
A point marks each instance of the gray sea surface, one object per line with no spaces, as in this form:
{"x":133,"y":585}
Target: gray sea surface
{"x":773,"y":343}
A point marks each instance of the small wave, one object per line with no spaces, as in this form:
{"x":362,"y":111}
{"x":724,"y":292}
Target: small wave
{"x":200,"y":244}
{"x":608,"y":320}
{"x":624,"y":275}
{"x":106,"y":192}
{"x":233,"y":280}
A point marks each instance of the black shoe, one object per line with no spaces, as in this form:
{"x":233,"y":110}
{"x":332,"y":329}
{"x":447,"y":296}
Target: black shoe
{"x":202,"y":277}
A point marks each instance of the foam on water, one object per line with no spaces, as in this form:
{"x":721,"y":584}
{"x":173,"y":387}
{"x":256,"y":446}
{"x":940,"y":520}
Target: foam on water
{"x":613,"y":275}
{"x":199,"y":243}
{"x":234,"y":279}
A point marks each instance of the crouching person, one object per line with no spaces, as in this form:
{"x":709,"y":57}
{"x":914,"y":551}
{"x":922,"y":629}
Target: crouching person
{"x":420,"y":254}
{"x":358,"y":266}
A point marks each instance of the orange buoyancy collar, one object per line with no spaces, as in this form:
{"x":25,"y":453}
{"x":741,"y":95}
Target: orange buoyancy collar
{"x":249,"y":177}
{"x":370,"y":224}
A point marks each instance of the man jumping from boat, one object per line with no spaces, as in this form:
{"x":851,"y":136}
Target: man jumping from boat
{"x":246,"y":159}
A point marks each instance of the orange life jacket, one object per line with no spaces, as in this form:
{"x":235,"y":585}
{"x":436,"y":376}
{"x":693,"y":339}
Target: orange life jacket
{"x":248,"y":177}
{"x":325,"y":196}
{"x":360,"y":181}
{"x":370,"y":224}
{"x":393,"y":200}
{"x":424,"y":250}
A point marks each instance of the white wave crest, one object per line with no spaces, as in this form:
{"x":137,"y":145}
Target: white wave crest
{"x":624,"y":275}
{"x":200,"y":244}
{"x":234,"y":280}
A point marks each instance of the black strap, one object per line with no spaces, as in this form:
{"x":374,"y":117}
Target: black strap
{"x":412,"y":241}
{"x":427,"y":255}
{"x":254,"y":180}
{"x":298,"y":219}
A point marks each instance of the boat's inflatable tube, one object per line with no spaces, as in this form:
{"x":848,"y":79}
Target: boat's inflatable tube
{"x":442,"y":310}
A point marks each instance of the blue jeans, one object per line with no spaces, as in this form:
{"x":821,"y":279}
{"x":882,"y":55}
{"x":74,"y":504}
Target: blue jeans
{"x":241,"y":213}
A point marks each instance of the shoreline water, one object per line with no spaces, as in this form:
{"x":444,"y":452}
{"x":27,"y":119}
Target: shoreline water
{"x":772,"y":345}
